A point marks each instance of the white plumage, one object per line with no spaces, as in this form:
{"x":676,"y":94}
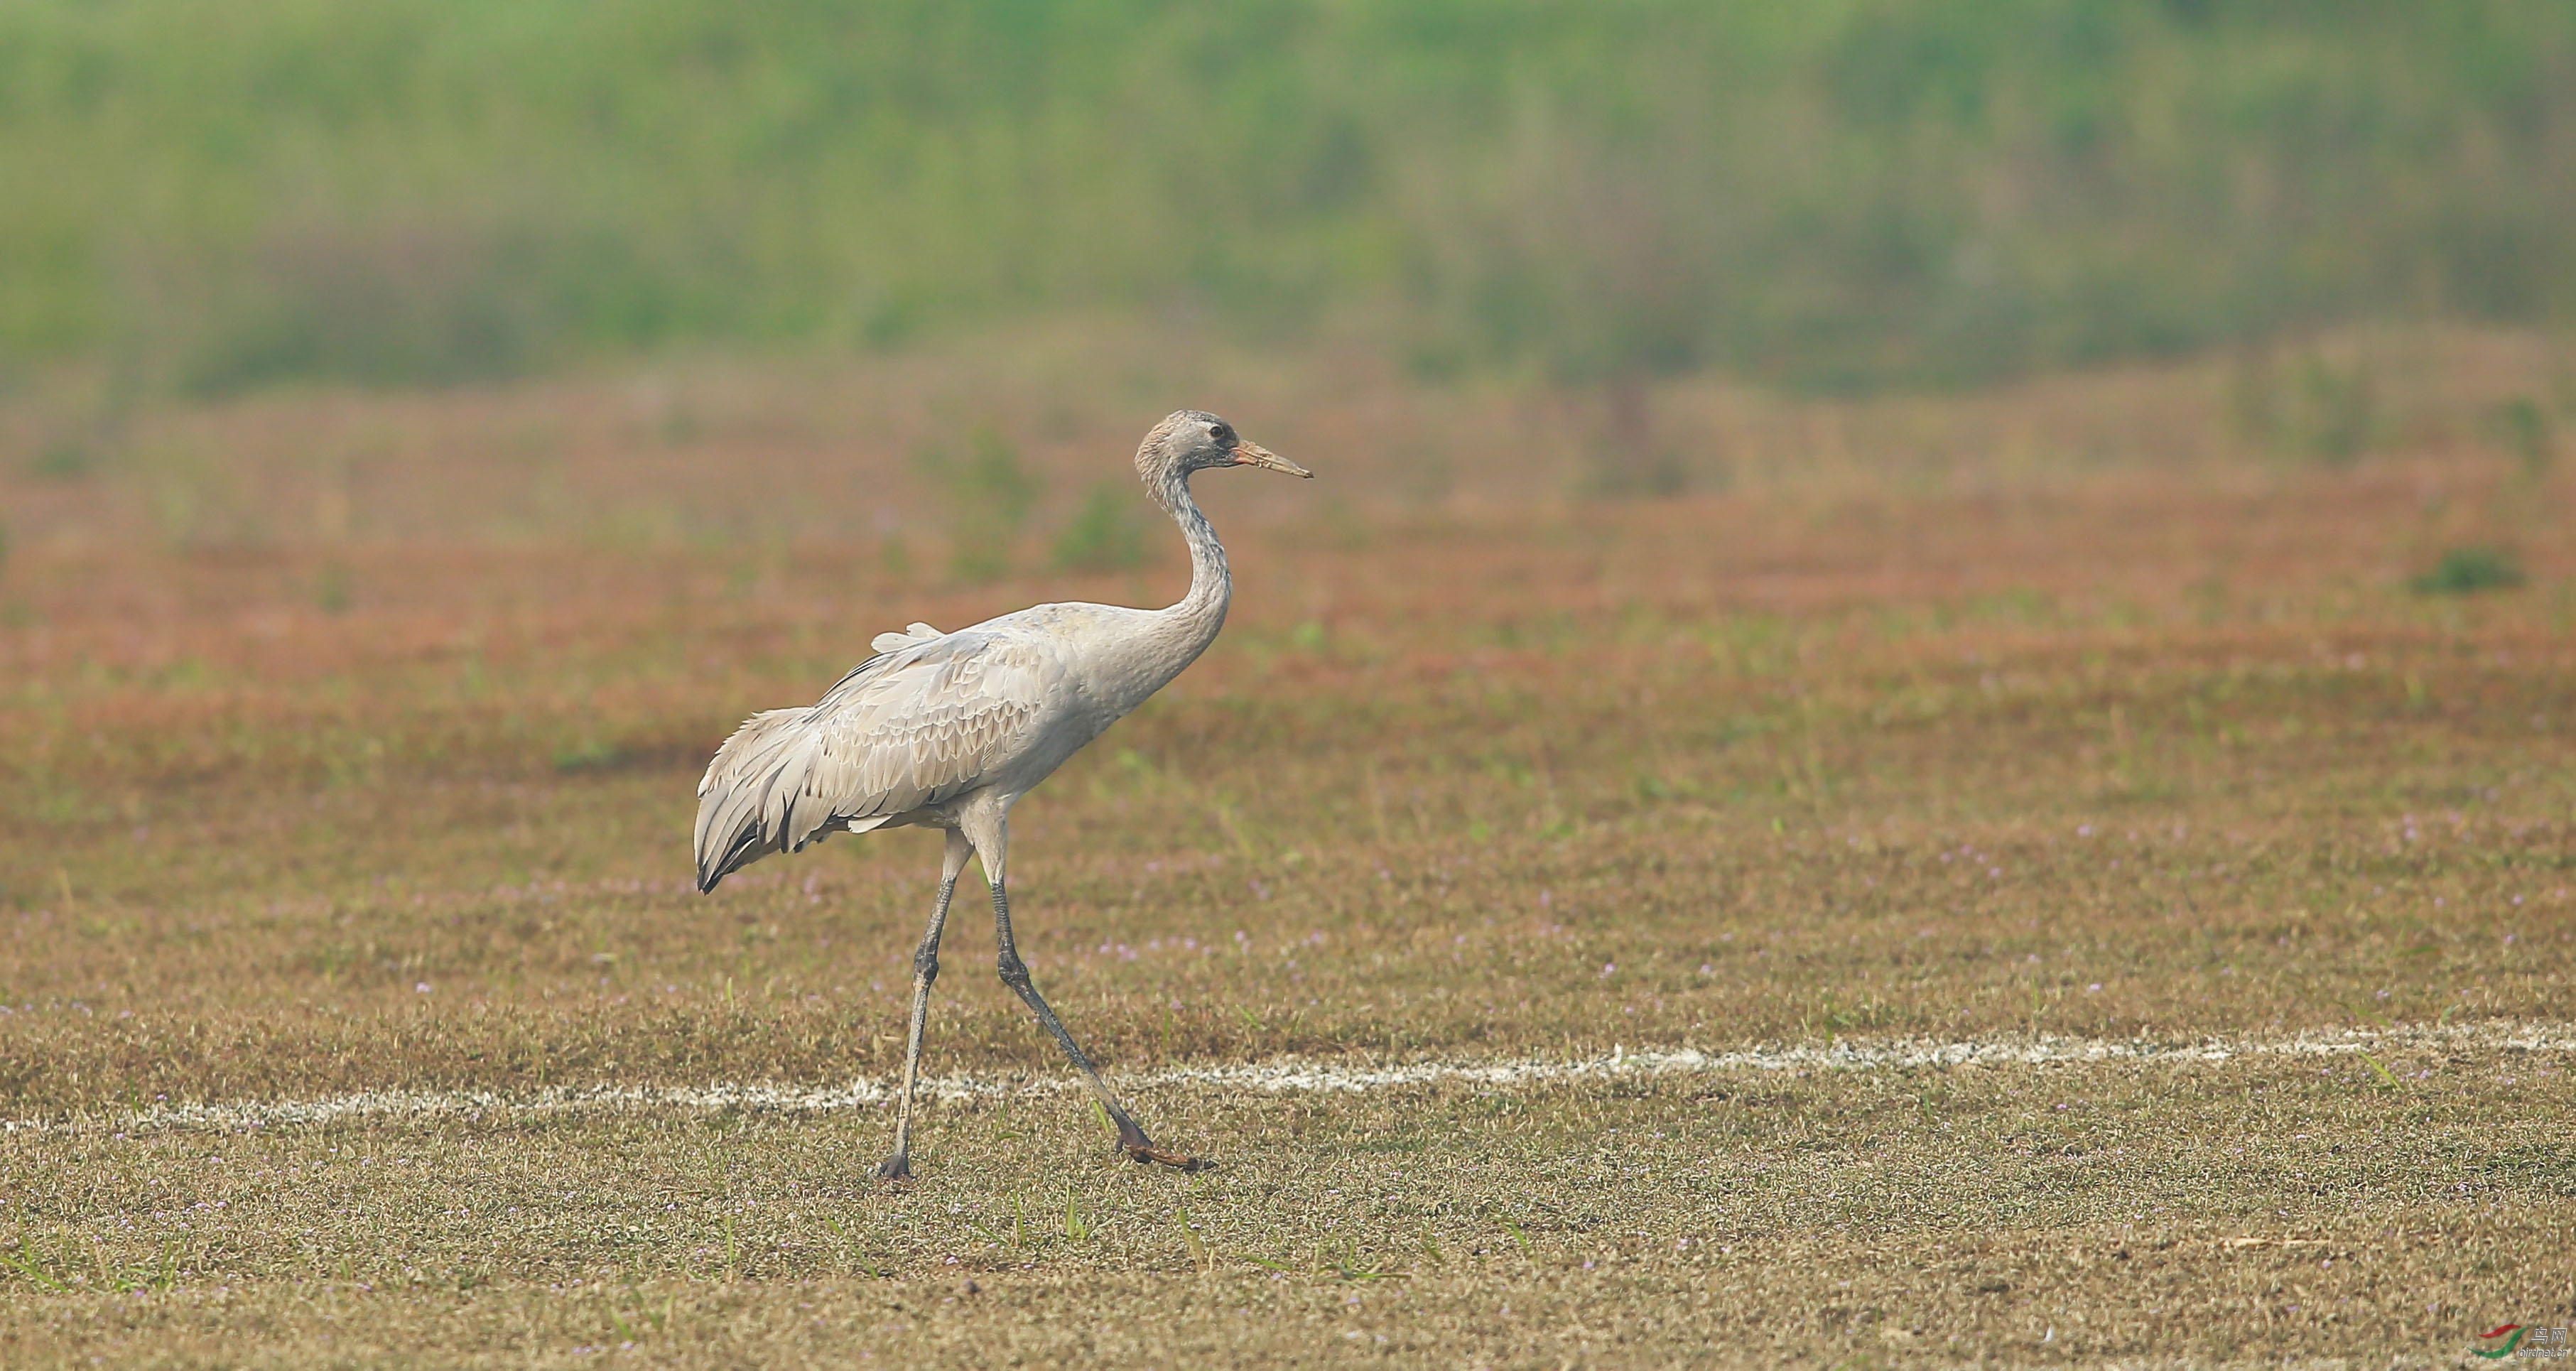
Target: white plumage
{"x":950,"y":729}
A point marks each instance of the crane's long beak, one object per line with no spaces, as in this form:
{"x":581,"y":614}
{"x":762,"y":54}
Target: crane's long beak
{"x":1255,"y":455}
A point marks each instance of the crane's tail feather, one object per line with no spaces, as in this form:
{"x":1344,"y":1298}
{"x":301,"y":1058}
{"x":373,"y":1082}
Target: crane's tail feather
{"x":735,"y":827}
{"x":754,"y":799}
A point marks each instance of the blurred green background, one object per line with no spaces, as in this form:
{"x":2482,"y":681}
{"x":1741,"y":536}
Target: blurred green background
{"x":205,"y":197}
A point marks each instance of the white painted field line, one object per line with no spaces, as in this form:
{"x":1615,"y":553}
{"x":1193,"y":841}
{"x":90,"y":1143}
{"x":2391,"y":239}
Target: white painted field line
{"x":1900,"y":1053}
{"x":1300,"y":1074}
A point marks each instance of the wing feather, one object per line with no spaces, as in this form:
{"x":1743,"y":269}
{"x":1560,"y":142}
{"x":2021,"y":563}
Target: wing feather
{"x":915,"y":726}
{"x":916,"y":632}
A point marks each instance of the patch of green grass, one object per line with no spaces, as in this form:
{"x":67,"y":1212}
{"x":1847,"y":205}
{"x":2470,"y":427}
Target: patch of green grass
{"x":64,"y":459}
{"x":2469,"y":570}
{"x":1105,"y":534}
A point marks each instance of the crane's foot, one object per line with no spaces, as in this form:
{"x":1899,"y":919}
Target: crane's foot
{"x":1136,"y":1147}
{"x":1145,"y":1153}
{"x":895,"y":1168}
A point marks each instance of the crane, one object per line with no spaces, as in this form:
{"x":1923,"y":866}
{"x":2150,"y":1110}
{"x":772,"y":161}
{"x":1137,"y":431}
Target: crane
{"x":949,"y":730}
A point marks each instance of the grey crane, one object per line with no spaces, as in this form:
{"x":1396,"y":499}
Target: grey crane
{"x":948,"y":730}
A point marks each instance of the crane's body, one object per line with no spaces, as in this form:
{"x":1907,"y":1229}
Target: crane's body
{"x":949,"y":730}
{"x":937,"y":720}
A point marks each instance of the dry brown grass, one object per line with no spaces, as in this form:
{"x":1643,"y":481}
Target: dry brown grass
{"x":1974,"y":748}
{"x":2172,"y":1213}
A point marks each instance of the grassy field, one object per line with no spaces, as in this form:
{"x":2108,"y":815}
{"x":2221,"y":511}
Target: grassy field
{"x":2095,"y":732}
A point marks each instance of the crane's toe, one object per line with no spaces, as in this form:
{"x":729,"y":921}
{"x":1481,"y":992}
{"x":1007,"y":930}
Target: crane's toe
{"x":1147,"y":1153}
{"x":895,"y":1168}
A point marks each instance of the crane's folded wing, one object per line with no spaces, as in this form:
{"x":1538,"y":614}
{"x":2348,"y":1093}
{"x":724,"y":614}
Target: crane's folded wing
{"x":911,"y":727}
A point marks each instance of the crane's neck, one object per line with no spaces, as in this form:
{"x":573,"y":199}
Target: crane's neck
{"x":1196,"y":619}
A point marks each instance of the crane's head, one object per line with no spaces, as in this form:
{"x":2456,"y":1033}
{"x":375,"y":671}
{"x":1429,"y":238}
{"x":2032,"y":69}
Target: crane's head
{"x":1193,"y":440}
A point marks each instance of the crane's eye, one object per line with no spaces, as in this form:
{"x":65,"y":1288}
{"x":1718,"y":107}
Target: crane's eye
{"x":1223,"y":435}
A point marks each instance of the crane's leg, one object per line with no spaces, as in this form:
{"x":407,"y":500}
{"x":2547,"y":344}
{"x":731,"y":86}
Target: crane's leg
{"x":992,"y":841}
{"x":925,"y":969}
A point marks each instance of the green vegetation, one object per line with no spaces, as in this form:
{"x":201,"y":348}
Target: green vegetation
{"x":2468,"y":570}
{"x":2524,"y":428}
{"x":990,"y":494}
{"x":1105,"y":533}
{"x":213,"y":196}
